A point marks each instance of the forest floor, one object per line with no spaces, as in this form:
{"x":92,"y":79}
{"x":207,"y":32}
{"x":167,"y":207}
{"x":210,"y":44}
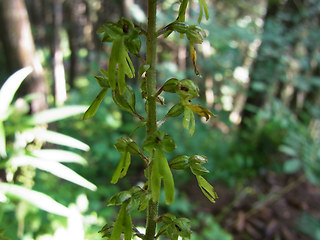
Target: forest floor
{"x":269,"y":207}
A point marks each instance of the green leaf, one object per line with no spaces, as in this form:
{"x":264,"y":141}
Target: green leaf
{"x":144,"y":199}
{"x":168,"y":182}
{"x":55,"y":114}
{"x":3,"y":153}
{"x":182,"y":10}
{"x":203,"y":7}
{"x":122,"y":224}
{"x":207,"y":189}
{"x":125,"y":101}
{"x":167,"y":143}
{"x":9,"y":88}
{"x":122,"y":167}
{"x":119,"y":198}
{"x":54,"y":168}
{"x":91,"y":111}
{"x":161,"y":171}
{"x":188,"y":121}
{"x":292,"y":165}
{"x":44,"y":135}
{"x":35,"y":198}
{"x":155,"y":180}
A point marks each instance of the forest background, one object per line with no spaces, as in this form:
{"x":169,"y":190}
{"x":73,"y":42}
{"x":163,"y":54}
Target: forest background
{"x":260,"y":67}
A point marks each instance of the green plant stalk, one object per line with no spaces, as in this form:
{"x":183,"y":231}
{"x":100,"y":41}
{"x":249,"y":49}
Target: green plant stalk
{"x":152,"y":211}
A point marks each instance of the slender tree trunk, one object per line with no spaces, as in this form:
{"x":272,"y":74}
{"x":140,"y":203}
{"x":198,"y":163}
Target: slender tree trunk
{"x":260,"y":76}
{"x":18,"y":44}
{"x":60,"y":92}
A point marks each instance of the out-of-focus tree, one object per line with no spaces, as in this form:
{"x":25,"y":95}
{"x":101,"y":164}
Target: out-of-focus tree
{"x":19,"y":49}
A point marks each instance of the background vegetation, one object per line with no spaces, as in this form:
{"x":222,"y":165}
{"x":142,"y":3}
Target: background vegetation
{"x":260,"y":67}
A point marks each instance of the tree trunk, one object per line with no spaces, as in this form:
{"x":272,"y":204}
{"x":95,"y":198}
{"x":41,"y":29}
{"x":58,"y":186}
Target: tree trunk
{"x":18,"y":45}
{"x":60,"y":92}
{"x":266,"y":71}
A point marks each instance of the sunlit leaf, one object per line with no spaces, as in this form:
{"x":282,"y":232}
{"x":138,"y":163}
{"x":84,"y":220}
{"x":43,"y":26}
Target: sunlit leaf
{"x":10,"y":87}
{"x":122,"y":224}
{"x":193,"y":54}
{"x":2,"y":141}
{"x":202,"y":111}
{"x":203,"y":7}
{"x":168,"y":182}
{"x":54,"y":168}
{"x":45,"y":135}
{"x":55,"y":114}
{"x":58,"y":155}
{"x":122,"y":167}
{"x":207,"y":189}
{"x":91,"y":111}
{"x":161,"y":172}
{"x":37,"y":199}
{"x":188,"y":121}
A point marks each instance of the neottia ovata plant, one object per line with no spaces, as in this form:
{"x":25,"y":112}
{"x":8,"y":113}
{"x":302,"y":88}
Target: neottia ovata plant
{"x":125,"y":37}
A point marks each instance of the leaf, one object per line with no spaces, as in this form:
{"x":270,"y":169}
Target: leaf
{"x":144,"y":199}
{"x":202,"y":111}
{"x":203,"y":7}
{"x":161,"y":171}
{"x":9,"y":88}
{"x":45,"y":135}
{"x":58,"y":155}
{"x":188,"y":121}
{"x":122,"y":224}
{"x":54,"y":168}
{"x":3,"y":153}
{"x":55,"y":114}
{"x":168,"y":182}
{"x":35,"y":198}
{"x":155,"y":180}
{"x":122,"y":167}
{"x":91,"y":111}
{"x":125,"y":101}
{"x":207,"y":189}
{"x":193,"y":54}
{"x":292,"y":165}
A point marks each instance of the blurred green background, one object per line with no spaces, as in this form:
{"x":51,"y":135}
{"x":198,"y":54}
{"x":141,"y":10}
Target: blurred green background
{"x":260,"y":67}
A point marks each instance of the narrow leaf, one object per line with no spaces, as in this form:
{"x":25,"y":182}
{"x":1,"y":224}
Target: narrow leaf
{"x":45,"y":135}
{"x":58,"y":155}
{"x":122,"y":167}
{"x":37,"y":199}
{"x":10,"y":87}
{"x":207,"y":189}
{"x":3,"y":153}
{"x":56,"y":114}
{"x":167,"y":176}
{"x":54,"y":168}
{"x":91,"y":111}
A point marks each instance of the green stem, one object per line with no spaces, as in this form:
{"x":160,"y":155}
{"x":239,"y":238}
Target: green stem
{"x":152,"y":212}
